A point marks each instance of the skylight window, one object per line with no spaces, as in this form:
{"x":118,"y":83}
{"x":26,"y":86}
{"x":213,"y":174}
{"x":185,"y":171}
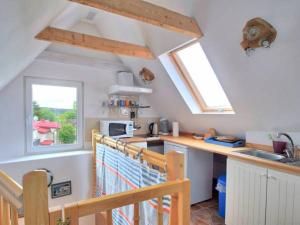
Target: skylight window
{"x":200,"y":78}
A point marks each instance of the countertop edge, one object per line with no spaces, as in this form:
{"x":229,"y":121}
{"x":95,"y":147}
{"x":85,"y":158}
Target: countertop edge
{"x":222,"y":150}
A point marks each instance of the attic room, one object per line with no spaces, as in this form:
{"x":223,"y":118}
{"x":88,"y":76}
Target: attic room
{"x":147,"y":112}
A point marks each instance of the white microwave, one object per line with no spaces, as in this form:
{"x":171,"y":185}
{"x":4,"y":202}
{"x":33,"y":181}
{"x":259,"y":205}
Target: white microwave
{"x":116,"y":128}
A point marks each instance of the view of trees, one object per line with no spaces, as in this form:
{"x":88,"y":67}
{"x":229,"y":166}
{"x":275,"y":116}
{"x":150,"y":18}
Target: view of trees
{"x":66,"y":117}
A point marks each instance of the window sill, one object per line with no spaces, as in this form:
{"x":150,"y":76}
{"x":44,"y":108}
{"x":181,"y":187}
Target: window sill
{"x":215,"y":113}
{"x":47,"y":156}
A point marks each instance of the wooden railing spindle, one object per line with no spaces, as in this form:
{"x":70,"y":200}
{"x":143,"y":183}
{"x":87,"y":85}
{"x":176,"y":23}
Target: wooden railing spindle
{"x":160,"y":212}
{"x":109,"y":220}
{"x":71,"y":214}
{"x":6,"y":213}
{"x":1,"y":209}
{"x":136,"y":218}
{"x":14,"y":215}
{"x":184,"y":204}
{"x":175,"y":171}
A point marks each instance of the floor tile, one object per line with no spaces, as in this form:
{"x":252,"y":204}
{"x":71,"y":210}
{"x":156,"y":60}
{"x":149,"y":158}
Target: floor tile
{"x":206,"y":213}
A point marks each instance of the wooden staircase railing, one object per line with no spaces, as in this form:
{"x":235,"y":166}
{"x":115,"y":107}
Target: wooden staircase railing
{"x":73,"y":212}
{"x":33,"y":199}
{"x":10,"y":200}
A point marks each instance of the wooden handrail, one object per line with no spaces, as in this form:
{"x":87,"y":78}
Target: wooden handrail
{"x":10,"y":191}
{"x":96,"y":205}
{"x":147,"y":155}
{"x":15,"y":188}
{"x":106,"y":203}
{"x":13,"y":200}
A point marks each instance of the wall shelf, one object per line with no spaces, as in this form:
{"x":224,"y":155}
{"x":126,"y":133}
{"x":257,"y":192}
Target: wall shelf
{"x":128,"y":90}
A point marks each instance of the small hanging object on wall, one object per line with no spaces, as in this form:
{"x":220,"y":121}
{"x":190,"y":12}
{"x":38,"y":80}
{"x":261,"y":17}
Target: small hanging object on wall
{"x":257,"y":33}
{"x":146,"y":75}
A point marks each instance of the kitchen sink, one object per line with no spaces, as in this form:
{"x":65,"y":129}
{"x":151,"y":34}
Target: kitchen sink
{"x":292,"y":162}
{"x":262,"y":154}
{"x":295,"y":163}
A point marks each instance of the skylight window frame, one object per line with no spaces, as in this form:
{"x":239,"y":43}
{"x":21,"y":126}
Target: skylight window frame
{"x":189,"y":83}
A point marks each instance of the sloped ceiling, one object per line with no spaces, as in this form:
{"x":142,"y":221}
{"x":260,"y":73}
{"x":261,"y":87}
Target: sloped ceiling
{"x":19,"y":22}
{"x":263,"y":88}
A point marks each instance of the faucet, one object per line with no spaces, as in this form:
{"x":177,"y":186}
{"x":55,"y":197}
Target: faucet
{"x":290,"y":151}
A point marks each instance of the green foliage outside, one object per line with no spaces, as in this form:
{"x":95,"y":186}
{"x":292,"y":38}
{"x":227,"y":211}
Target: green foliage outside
{"x":67,"y":119}
{"x":67,"y":134}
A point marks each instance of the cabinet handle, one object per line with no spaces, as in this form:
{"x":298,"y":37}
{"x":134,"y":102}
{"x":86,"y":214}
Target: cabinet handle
{"x":272,"y":177}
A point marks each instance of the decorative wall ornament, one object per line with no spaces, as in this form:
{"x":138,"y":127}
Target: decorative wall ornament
{"x":257,"y":33}
{"x":146,"y":75}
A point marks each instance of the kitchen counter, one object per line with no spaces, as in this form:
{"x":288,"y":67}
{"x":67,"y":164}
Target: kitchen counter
{"x":189,"y":141}
{"x":186,"y":140}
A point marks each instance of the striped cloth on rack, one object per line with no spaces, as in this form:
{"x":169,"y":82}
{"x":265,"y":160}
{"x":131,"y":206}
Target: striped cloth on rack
{"x":117,"y":173}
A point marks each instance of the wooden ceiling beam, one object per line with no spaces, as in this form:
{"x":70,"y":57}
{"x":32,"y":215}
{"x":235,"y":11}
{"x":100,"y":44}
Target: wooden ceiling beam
{"x":148,"y":13}
{"x":95,"y":43}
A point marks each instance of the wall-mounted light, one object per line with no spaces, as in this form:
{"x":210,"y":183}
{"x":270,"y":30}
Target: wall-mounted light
{"x":257,"y":33}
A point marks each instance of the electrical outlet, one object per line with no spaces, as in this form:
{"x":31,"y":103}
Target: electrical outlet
{"x":61,"y":189}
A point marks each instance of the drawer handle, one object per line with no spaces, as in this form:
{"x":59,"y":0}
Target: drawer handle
{"x":272,"y":177}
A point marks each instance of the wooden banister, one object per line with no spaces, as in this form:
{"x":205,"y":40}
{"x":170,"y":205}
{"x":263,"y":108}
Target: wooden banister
{"x":136,"y":218}
{"x":6,"y":181}
{"x":95,"y":205}
{"x":175,"y":171}
{"x":35,"y":197}
{"x":11,"y":198}
{"x":149,"y":156}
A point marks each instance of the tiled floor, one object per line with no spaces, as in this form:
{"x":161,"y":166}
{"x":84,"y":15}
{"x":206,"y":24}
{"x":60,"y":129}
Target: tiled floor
{"x":206,"y":213}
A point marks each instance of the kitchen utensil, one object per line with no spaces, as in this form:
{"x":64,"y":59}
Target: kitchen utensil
{"x":164,"y":126}
{"x":175,"y":126}
{"x":153,"y":129}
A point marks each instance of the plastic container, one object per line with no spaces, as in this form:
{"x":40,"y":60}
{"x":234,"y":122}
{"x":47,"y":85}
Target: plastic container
{"x":175,"y":129}
{"x":221,"y":187}
{"x":125,"y":78}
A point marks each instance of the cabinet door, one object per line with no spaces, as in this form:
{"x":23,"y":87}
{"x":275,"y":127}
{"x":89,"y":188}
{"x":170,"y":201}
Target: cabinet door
{"x":246,"y":188}
{"x":283,"y":199}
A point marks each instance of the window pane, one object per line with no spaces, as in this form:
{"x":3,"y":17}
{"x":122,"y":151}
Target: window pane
{"x":203,"y":76}
{"x":54,"y":115}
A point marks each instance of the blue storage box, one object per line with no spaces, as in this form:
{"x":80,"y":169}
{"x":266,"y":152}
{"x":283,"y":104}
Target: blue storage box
{"x":240,"y":143}
{"x":221,"y":187}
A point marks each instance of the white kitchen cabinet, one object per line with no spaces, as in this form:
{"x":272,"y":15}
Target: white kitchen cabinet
{"x":198,"y":168}
{"x":283,"y":199}
{"x":259,"y":196}
{"x":246,"y":188}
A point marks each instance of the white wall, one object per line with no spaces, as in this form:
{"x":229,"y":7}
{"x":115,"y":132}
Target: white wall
{"x":75,"y":167}
{"x":96,"y":76}
{"x":263,"y":88}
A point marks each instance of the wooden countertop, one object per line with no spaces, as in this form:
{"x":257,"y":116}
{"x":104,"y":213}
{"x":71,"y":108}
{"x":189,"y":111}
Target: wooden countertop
{"x":188,"y":140}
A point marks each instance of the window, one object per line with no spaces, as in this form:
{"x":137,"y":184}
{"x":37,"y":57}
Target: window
{"x":53,"y":115}
{"x":200,"y":78}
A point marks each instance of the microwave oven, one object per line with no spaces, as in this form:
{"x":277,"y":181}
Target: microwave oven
{"x":116,"y":128}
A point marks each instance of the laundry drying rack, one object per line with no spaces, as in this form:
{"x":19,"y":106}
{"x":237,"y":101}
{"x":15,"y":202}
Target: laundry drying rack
{"x":32,"y":197}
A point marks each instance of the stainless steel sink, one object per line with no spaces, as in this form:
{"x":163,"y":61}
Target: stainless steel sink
{"x":292,"y":162}
{"x":295,"y":163}
{"x":262,"y":154}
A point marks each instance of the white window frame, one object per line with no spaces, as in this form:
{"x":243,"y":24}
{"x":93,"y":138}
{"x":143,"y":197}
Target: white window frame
{"x":30,"y":149}
{"x":182,"y":72}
